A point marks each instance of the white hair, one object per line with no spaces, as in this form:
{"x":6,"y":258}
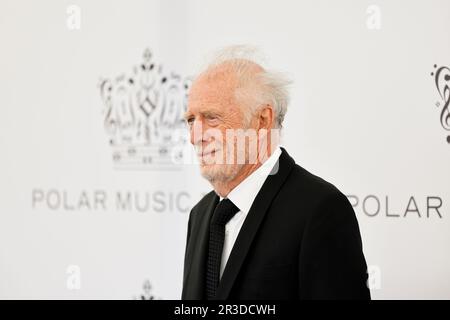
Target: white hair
{"x":269,"y":87}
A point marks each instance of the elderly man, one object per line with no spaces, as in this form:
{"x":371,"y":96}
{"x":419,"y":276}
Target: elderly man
{"x":269,"y":229}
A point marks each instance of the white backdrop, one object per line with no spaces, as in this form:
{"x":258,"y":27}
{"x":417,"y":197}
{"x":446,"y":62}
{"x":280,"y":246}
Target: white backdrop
{"x":92,"y":208}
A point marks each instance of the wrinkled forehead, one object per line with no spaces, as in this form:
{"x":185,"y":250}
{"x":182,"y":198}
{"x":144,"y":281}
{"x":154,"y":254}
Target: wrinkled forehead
{"x":219,"y":83}
{"x":216,"y":87}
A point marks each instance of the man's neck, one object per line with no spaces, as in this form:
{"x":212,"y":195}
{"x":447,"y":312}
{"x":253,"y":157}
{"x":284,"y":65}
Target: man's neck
{"x":223,"y":188}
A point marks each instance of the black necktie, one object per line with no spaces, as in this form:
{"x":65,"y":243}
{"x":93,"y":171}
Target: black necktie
{"x":224,"y":211}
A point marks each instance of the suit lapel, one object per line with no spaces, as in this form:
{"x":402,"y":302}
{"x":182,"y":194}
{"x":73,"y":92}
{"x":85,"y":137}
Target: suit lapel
{"x":195,"y":283}
{"x":252,"y":222}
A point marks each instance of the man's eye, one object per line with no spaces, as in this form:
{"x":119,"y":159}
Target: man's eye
{"x":211,"y":118}
{"x":190,"y":121}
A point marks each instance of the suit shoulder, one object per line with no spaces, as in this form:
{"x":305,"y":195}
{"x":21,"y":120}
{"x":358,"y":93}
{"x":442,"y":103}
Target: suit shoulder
{"x":328,"y":200}
{"x":313,"y":190}
{"x":314,"y":183}
{"x":206,"y":200}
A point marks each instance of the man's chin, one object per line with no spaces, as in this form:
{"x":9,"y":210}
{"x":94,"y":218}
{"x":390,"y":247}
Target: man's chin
{"x":209,"y":172}
{"x":219,"y":172}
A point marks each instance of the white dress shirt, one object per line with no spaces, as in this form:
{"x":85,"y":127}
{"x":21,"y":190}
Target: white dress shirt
{"x":243,"y":196}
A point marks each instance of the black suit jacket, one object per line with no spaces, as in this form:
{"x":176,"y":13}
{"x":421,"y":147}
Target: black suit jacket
{"x":300,"y":240}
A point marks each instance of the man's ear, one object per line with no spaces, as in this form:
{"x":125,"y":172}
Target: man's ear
{"x":266,"y":117}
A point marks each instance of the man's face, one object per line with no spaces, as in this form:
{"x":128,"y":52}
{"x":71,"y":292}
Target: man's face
{"x":212,"y":111}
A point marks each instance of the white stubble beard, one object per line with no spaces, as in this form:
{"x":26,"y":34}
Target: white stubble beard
{"x":220,"y":172}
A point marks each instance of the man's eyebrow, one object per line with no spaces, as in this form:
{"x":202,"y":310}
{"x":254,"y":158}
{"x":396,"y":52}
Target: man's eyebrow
{"x":211,"y":114}
{"x":187,"y":115}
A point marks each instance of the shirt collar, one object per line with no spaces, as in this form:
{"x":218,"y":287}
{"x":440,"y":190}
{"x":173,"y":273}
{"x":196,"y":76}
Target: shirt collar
{"x":245,"y":193}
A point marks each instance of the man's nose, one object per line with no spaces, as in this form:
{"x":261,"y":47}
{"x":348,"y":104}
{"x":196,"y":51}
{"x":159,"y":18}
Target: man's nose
{"x":196,"y":132}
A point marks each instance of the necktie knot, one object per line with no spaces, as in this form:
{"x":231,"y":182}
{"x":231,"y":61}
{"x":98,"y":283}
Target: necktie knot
{"x":224,"y":211}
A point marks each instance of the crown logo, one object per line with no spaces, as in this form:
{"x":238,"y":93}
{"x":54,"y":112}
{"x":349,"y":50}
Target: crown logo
{"x":143,"y":116}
